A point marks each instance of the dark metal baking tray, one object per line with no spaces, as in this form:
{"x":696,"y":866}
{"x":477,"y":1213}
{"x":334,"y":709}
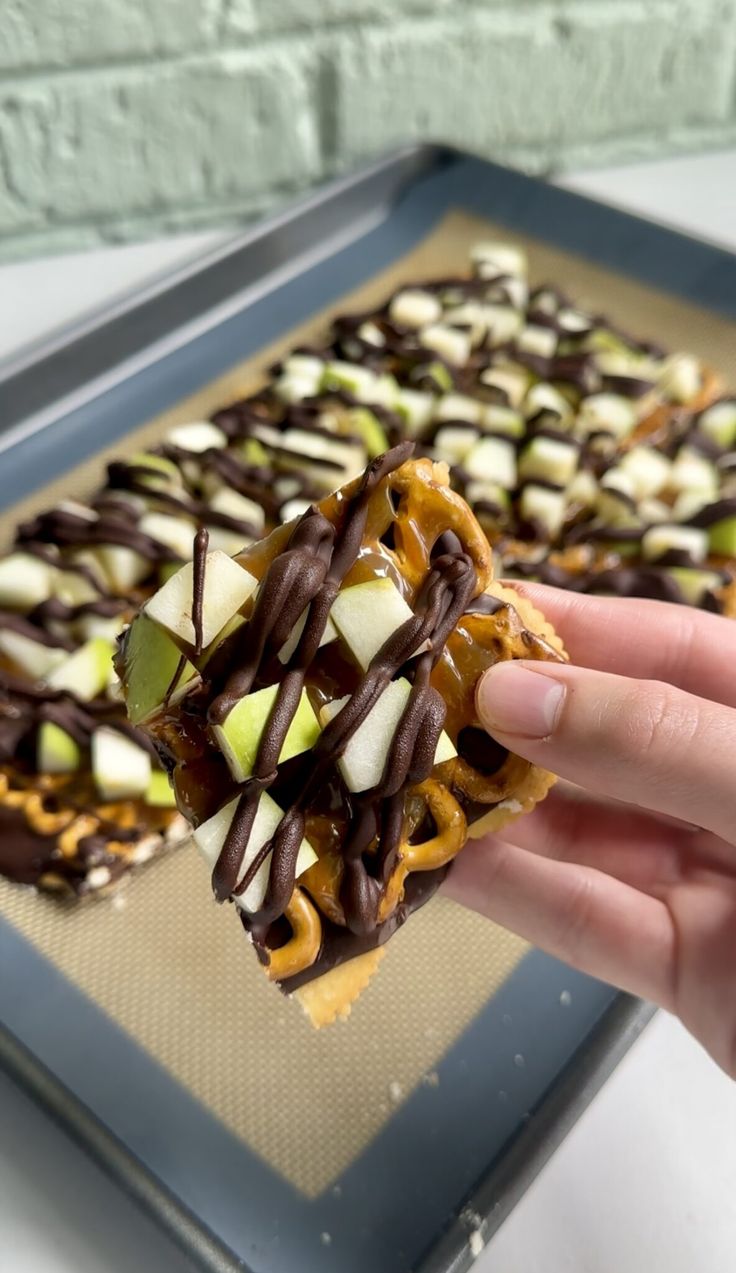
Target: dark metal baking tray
{"x":87,"y":387}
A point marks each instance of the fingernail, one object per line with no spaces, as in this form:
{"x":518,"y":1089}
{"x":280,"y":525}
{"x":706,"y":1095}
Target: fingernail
{"x":513,"y":699}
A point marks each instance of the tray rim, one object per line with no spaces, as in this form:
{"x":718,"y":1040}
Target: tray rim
{"x":621,"y":1023}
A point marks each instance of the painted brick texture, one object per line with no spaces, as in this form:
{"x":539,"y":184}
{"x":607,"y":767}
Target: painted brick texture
{"x":122,"y":117}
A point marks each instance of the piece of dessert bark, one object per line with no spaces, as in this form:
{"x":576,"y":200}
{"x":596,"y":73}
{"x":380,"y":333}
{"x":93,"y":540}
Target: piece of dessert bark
{"x":327,"y":749}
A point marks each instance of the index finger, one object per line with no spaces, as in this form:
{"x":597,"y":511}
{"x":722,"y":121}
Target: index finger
{"x":647,"y":640}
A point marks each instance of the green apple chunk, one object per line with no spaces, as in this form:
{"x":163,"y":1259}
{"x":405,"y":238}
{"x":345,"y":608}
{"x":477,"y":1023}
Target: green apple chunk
{"x":544,"y":397}
{"x":549,"y":459}
{"x":692,"y":471}
{"x":123,"y":567}
{"x":415,"y":408}
{"x":210,"y":838}
{"x":364,"y":759}
{"x":33,"y":658}
{"x":151,"y":663}
{"x":363,"y":422}
{"x":548,"y":508}
{"x":227,"y":587}
{"x":56,"y":750}
{"x":25,"y":581}
{"x":681,"y":378}
{"x":458,"y":406}
{"x":414,"y":308}
{"x":663,"y":539}
{"x":367,"y":614}
{"x":159,"y":792}
{"x":500,"y":258}
{"x":498,"y":419}
{"x":494,"y":460}
{"x":719,"y":423}
{"x":450,"y":343}
{"x":121,"y":769}
{"x":176,"y":533}
{"x":648,"y":470}
{"x":694,"y":584}
{"x":606,"y":413}
{"x":291,"y":642}
{"x":158,"y":472}
{"x":722,"y":537}
{"x":240,"y":734}
{"x":453,"y":442}
{"x":233,"y":504}
{"x":197,"y":436}
{"x":511,"y":378}
{"x":86,"y":672}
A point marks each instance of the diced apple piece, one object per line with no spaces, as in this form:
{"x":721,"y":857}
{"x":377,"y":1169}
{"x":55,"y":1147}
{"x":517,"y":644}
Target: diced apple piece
{"x":175,"y":533}
{"x":414,"y":308}
{"x":583,"y":489}
{"x":160,"y":472}
{"x":504,"y":323}
{"x":537,"y":340}
{"x":607,"y":413}
{"x":239,"y":735}
{"x":549,"y":459}
{"x":291,"y":642}
{"x":159,"y":792}
{"x":722,"y":537}
{"x":233,"y":504}
{"x":304,"y":365}
{"x":510,"y":378}
{"x":648,"y":470}
{"x":197,"y":436}
{"x":123,"y":567}
{"x":351,"y":376}
{"x":121,"y":769}
{"x":547,"y":508}
{"x":574,"y":321}
{"x":488,"y":493}
{"x":453,"y":442}
{"x":493,"y":459}
{"x":151,"y":663}
{"x":227,"y":541}
{"x":458,"y":406}
{"x":366,"y":615}
{"x":688,"y":503}
{"x":694,"y":584}
{"x":415,"y":408}
{"x":662,"y":539}
{"x":210,"y":838}
{"x":86,"y":672}
{"x":719,"y":423}
{"x":654,"y":510}
{"x":341,"y":453}
{"x":452,"y":345}
{"x":445,"y":750}
{"x":32,"y":657}
{"x":25,"y":581}
{"x":362,"y":421}
{"x":469,"y":315}
{"x":544,"y":397}
{"x":681,"y":378}
{"x":292,"y":388}
{"x":693,"y":471}
{"x":504,"y":258}
{"x":498,"y":419}
{"x":56,"y":750}
{"x":371,"y":334}
{"x":227,"y":587}
{"x":292,"y":509}
{"x":364,"y":758}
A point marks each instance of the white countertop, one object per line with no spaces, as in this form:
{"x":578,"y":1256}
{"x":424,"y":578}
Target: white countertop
{"x":645,"y":1181}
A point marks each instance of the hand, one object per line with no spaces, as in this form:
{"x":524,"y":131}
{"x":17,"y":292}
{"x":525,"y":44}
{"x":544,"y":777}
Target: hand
{"x":630,"y":874}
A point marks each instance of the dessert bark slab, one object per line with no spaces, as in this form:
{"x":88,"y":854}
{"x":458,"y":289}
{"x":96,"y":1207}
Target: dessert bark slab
{"x":428,"y":1116}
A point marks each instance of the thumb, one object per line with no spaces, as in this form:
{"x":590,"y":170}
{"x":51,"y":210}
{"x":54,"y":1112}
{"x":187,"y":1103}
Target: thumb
{"x":644,"y":742}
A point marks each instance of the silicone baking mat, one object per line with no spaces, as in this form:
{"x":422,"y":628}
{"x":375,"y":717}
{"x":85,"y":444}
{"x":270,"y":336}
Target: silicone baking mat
{"x":281,"y":1148}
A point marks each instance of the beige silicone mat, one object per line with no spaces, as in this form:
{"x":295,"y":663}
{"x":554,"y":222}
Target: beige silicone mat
{"x":175,"y":971}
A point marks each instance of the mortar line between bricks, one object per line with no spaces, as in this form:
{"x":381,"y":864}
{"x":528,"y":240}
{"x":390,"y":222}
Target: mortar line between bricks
{"x":267,"y":41}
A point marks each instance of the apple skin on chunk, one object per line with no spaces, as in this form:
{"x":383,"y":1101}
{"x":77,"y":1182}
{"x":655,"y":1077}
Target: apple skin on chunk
{"x":367,"y":614}
{"x":364,"y":759}
{"x":33,"y":658}
{"x":159,"y":792}
{"x":56,"y":751}
{"x":722,"y":537}
{"x":121,"y":769}
{"x":211,"y":835}
{"x":151,"y":661}
{"x":240,"y":734}
{"x":86,"y":672}
{"x":25,"y":581}
{"x":227,"y":587}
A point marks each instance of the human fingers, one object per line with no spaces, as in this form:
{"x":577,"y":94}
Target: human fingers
{"x":575,"y":913}
{"x":644,"y":639}
{"x":642,"y":742}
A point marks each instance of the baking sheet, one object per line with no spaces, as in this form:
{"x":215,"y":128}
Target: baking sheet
{"x":358,"y":1146}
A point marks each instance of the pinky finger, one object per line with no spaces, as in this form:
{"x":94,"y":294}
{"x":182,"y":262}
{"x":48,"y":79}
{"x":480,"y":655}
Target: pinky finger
{"x":585,"y":918}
